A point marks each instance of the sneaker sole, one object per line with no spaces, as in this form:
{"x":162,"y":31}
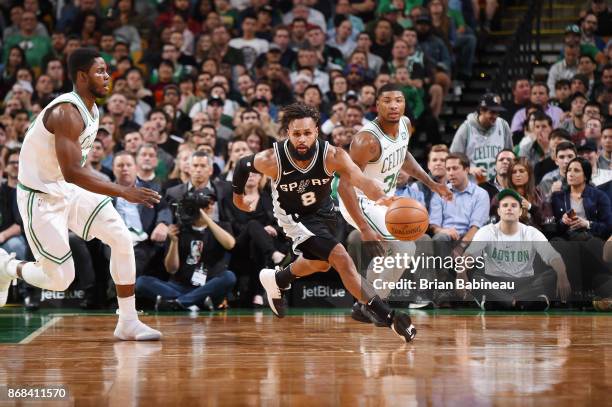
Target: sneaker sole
{"x":412,"y":330}
{"x":265,"y":285}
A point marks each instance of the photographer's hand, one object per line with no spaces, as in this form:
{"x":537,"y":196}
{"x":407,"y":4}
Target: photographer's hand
{"x":160,"y":233}
{"x":173,"y":233}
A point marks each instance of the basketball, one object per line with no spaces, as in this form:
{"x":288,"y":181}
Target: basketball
{"x":407,"y":219}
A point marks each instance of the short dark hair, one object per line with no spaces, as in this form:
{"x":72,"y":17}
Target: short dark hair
{"x":463,"y":159}
{"x":81,"y":60}
{"x":296,"y":111}
{"x":517,"y":79}
{"x":587,"y":169}
{"x":541,"y":84}
{"x":248,"y":110}
{"x":594,"y":104}
{"x":565,"y":145}
{"x":539,"y":116}
{"x":389,"y":87}
{"x":562,"y":83}
{"x":506,"y":150}
{"x":560,"y":133}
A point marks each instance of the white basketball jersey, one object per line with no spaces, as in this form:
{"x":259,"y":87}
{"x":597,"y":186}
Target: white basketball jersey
{"x":392,"y":155}
{"x":38,"y":165}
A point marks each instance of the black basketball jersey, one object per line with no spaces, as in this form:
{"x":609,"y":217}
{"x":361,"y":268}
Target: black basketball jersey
{"x":301,"y":191}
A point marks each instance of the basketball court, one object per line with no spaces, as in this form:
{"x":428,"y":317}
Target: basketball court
{"x":312,"y":357}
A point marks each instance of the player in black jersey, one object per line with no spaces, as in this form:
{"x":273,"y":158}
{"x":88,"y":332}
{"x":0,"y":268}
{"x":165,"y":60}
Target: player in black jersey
{"x":301,"y":168}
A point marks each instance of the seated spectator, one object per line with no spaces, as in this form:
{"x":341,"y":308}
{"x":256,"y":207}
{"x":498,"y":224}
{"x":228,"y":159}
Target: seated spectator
{"x":564,"y":69}
{"x":521,"y":89}
{"x":459,"y":219}
{"x":256,"y":138}
{"x":148,"y":226}
{"x":237,"y":150}
{"x":11,"y":238}
{"x":592,"y":131}
{"x":503,"y":161}
{"x":196,"y":263}
{"x":436,"y":164}
{"x":131,"y":142}
{"x":150,"y":134}
{"x":574,"y":124}
{"x":532,"y":289}
{"x":556,"y":180}
{"x":603,"y":91}
{"x":482,"y":136}
{"x":146,"y":163}
{"x":563,"y":92}
{"x":581,"y":211}
{"x":94,"y":160}
{"x":338,"y":110}
{"x":539,"y":96}
{"x":588,"y":150}
{"x":180,"y":173}
{"x":38,"y":46}
{"x":548,"y":164}
{"x":587,"y":67}
{"x":200,"y":171}
{"x":534,"y":210}
{"x":257,"y":238}
{"x":535,"y":146}
{"x":605,"y":156}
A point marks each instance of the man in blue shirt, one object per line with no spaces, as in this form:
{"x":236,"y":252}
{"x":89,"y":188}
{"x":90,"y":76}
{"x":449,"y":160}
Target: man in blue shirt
{"x":459,"y":219}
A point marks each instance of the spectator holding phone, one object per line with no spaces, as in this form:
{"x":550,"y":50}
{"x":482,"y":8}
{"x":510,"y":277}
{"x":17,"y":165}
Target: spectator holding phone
{"x":582,"y":211}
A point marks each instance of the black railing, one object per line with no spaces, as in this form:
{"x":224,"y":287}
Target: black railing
{"x":523,"y":52}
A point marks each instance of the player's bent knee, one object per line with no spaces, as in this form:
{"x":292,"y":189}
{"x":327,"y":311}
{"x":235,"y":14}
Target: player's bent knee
{"x":60,"y":275}
{"x":110,"y":229}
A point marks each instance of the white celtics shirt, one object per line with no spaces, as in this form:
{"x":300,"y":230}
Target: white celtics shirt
{"x":38,"y":165}
{"x":511,"y":255}
{"x":392,"y":155}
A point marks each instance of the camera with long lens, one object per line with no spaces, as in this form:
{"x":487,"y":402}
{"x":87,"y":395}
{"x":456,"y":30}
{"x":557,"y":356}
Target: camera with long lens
{"x":187,"y":210}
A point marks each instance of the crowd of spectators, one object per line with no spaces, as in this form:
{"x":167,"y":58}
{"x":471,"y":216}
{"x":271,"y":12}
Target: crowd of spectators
{"x":196,"y":85}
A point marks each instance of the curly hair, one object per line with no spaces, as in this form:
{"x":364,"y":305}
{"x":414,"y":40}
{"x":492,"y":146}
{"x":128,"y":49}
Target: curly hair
{"x":296,"y":111}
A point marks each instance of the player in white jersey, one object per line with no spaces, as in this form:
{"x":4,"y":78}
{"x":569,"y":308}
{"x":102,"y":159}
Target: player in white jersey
{"x":380,"y":150}
{"x":56,"y":194}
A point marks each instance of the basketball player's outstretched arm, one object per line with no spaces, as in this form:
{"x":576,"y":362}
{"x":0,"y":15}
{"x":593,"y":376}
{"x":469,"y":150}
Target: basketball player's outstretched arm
{"x":412,"y":167}
{"x":364,"y":148}
{"x":338,"y":160}
{"x":66,"y":123}
{"x":264,"y":163}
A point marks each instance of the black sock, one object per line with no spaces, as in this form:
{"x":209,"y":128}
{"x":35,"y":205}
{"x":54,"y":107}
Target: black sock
{"x":284,"y":278}
{"x":382,"y":310}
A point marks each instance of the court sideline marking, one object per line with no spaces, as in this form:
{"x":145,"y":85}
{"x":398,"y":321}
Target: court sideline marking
{"x":40,"y":330}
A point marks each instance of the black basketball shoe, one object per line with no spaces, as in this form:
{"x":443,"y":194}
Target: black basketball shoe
{"x":402,"y":326}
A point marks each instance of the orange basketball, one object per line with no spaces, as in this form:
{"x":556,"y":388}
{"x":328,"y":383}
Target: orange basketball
{"x":407,"y":219}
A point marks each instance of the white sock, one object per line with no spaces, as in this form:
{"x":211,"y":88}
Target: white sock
{"x":127,"y":308}
{"x":11,"y":268}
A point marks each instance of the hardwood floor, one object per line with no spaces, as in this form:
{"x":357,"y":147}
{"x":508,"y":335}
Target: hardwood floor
{"x":322,"y":360}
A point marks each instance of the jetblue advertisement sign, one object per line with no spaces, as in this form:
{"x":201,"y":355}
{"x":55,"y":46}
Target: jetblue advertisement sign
{"x":320,"y":291}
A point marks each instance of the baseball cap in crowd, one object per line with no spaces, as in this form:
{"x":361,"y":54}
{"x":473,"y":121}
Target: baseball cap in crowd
{"x":267,"y":8}
{"x":260,"y":100}
{"x":216,"y":100}
{"x":351,"y":95}
{"x":587,"y":145}
{"x":389,"y":8}
{"x":423,"y":19}
{"x":508,"y":192}
{"x":491,"y":101}
{"x":572,"y":29}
